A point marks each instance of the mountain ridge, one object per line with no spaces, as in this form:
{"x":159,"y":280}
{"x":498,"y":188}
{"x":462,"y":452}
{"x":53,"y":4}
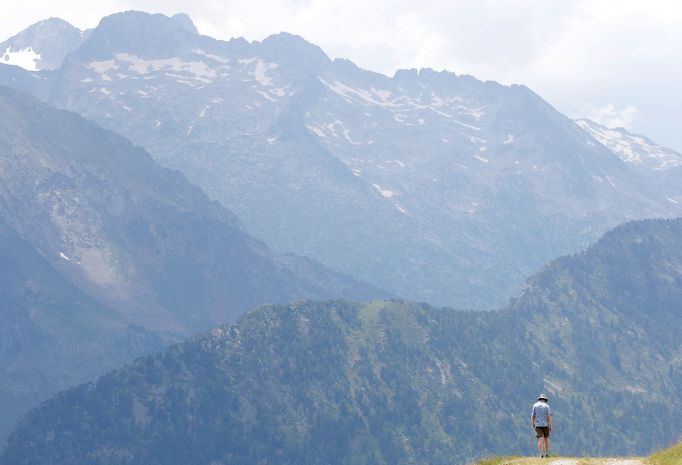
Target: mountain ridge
{"x":400,"y":382}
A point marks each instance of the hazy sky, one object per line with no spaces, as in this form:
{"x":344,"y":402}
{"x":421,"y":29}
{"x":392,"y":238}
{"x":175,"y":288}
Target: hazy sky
{"x":617,"y":62}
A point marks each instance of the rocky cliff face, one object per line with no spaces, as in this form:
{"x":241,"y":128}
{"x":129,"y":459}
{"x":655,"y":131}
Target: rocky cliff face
{"x":397,"y":382}
{"x":659,"y":165}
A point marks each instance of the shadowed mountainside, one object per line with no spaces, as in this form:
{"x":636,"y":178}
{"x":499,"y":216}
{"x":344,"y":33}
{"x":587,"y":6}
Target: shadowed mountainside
{"x":110,"y":255}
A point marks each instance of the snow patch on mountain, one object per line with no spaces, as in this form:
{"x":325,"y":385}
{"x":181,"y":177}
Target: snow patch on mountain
{"x":475,"y":128}
{"x":198,"y":70}
{"x":26,"y":58}
{"x":280,"y":91}
{"x":186,"y":72}
{"x":316,"y":130}
{"x":476,"y":113}
{"x":386,"y":193}
{"x":350,"y":94}
{"x":632,"y":148}
{"x":266,"y":96}
{"x":211,"y":56}
{"x":104,"y":66}
{"x":406,"y":109}
{"x":346,"y":134}
{"x":260,"y":72}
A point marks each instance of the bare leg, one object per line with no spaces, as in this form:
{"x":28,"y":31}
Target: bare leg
{"x":547,"y":445}
{"x":541,"y":444}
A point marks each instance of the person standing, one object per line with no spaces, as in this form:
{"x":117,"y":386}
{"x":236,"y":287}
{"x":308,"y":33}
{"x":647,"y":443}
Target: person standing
{"x":542,"y":422}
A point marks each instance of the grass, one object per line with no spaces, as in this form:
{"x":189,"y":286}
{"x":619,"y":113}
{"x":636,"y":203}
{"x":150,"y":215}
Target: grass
{"x":498,"y":461}
{"x":516,"y":460}
{"x":513,"y":460}
{"x":672,"y":456}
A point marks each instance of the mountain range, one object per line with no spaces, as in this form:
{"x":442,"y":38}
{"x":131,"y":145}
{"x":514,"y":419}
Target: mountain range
{"x":44,"y":45}
{"x":107,"y":256}
{"x":395,"y":382}
{"x":434,"y":186}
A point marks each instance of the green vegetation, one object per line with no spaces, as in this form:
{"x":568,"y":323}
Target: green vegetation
{"x":671,"y":456}
{"x":498,"y":461}
{"x":396,"y":382}
{"x":564,"y":461}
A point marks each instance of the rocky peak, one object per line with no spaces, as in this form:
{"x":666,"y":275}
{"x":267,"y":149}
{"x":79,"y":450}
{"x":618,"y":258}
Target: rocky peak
{"x":294,"y":50}
{"x":142,"y":34}
{"x":42,"y":45}
{"x":186,"y":22}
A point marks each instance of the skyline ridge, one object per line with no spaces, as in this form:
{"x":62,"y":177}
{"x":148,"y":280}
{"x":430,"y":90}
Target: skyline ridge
{"x":533,"y":35}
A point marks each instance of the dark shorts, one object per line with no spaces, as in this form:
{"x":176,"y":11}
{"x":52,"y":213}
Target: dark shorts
{"x":542,"y":431}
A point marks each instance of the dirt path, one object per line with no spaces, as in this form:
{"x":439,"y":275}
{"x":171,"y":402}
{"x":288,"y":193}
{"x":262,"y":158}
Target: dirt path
{"x":624,"y":462}
{"x":579,"y":461}
{"x":607,"y":461}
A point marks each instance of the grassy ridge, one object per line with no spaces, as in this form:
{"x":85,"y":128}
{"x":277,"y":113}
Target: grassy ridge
{"x":671,"y":456}
{"x":567,"y":460}
{"x":497,"y":461}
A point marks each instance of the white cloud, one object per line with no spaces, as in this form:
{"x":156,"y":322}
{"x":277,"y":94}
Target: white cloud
{"x":610,"y":116}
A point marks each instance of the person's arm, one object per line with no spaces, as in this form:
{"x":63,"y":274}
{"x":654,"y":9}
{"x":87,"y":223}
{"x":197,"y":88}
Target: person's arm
{"x":532,"y":420}
{"x":549,"y":419}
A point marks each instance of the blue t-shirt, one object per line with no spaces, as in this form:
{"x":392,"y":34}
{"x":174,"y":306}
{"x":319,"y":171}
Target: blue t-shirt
{"x":541,"y":412}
